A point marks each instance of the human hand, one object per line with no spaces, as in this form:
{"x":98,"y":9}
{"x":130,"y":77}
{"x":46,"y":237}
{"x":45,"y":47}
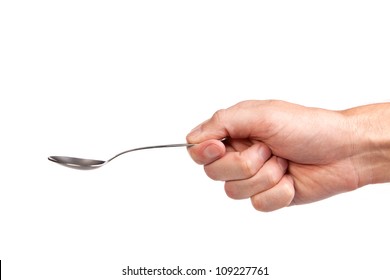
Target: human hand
{"x":280,"y":154}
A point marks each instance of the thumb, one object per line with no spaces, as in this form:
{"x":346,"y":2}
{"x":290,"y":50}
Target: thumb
{"x":234,"y":122}
{"x":209,"y":129}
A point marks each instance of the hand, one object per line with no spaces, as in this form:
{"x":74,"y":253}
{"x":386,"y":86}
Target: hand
{"x":280,"y":154}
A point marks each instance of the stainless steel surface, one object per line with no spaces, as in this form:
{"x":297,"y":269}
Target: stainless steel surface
{"x":88,"y":164}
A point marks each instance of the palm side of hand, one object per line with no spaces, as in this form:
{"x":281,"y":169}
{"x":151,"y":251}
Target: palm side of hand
{"x":313,"y":180}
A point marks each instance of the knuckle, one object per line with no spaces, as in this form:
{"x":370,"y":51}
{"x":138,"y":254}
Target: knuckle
{"x":282,"y":196}
{"x":218,"y":115}
{"x":247,"y":166}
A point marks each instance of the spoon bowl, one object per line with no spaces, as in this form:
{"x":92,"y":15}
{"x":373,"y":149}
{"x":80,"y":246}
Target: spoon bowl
{"x":89,"y":164}
{"x":77,"y":163}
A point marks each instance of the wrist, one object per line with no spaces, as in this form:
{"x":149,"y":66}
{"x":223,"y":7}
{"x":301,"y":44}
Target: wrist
{"x":370,"y":140}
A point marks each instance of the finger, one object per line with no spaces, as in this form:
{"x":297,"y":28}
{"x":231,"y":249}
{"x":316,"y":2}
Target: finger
{"x":207,"y":151}
{"x":275,"y":198}
{"x":239,"y":165}
{"x":238,"y":145}
{"x":267,"y":177}
{"x":237,"y":121}
{"x":197,"y":135}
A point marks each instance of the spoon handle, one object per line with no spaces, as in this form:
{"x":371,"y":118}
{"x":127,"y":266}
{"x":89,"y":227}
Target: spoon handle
{"x":152,"y":147}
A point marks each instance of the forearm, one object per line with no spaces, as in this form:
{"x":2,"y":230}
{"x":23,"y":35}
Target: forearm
{"x":371,"y":142}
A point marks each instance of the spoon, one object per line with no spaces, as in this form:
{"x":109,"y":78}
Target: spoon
{"x":88,"y":164}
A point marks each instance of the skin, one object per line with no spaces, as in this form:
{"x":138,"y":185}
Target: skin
{"x":280,"y":154}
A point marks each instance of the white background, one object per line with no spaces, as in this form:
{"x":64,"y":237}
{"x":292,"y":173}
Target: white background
{"x":93,"y":78}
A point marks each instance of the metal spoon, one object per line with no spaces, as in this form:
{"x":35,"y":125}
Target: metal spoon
{"x":88,"y":164}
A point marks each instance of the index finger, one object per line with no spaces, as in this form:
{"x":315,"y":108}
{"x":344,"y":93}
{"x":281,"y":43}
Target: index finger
{"x":207,"y":152}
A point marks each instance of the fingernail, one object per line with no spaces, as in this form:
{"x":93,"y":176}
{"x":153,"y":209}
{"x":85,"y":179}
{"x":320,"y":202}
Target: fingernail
{"x":264,"y":153}
{"x":282,"y":163}
{"x":212,"y":151}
